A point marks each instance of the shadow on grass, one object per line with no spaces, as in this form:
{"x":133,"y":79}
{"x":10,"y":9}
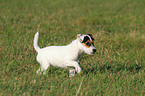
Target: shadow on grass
{"x":113,"y":69}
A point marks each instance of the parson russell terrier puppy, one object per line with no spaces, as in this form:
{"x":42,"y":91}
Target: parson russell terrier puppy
{"x":64,"y":56}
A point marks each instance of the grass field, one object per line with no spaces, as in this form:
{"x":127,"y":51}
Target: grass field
{"x":117,"y":68}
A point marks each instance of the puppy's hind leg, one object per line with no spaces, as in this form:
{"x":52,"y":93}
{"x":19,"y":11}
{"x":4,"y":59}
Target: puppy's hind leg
{"x":43,"y":68}
{"x":38,"y":71}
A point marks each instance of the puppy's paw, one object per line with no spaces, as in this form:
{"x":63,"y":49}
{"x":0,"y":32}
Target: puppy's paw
{"x":71,"y":73}
{"x":79,"y":70}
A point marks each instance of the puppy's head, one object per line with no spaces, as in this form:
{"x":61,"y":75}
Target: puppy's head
{"x":87,"y":43}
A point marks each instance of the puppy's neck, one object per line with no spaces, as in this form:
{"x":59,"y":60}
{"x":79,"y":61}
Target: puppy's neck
{"x":76,"y":45}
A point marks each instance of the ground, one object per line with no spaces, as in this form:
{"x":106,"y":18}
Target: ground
{"x":117,"y":68}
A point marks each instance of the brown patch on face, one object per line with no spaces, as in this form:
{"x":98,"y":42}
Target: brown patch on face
{"x":87,"y":43}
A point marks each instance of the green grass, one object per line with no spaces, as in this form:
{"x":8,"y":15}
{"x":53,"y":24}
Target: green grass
{"x":117,"y":68}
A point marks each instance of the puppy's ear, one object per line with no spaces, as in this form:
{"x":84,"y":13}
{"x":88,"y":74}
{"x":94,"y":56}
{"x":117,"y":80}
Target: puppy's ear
{"x":91,"y":37}
{"x":79,"y":37}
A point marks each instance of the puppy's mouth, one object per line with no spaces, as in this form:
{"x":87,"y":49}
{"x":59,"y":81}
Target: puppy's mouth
{"x":92,"y":52}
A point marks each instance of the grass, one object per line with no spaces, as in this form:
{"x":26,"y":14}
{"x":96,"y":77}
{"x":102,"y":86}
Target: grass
{"x":117,"y":68}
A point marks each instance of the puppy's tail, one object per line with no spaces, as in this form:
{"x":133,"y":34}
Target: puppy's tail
{"x":37,"y":48}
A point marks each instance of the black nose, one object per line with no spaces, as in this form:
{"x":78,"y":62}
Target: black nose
{"x":94,"y":50}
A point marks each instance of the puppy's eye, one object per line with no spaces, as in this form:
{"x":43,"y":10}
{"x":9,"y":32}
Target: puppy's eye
{"x":88,"y":44}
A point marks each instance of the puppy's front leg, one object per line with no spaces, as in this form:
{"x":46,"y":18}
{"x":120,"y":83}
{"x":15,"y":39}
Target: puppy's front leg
{"x":74,"y":64}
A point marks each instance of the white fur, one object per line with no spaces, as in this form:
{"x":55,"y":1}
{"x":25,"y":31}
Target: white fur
{"x":61,"y":56}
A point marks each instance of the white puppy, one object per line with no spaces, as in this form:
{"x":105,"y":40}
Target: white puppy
{"x":64,"y":56}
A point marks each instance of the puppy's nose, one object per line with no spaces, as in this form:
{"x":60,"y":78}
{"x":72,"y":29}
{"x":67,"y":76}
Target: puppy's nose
{"x":94,"y":50}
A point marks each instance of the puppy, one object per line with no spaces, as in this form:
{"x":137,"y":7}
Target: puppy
{"x":64,"y":56}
